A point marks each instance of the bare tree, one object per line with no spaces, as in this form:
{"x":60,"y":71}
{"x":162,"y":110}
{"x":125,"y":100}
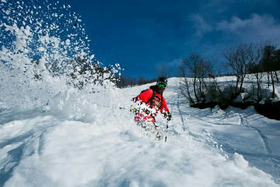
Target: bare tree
{"x":205,"y":67}
{"x":276,"y":60}
{"x":237,"y":59}
{"x":269,"y":65}
{"x":198,"y":68}
{"x":254,"y":66}
{"x":185,"y":86}
{"x":192,"y":65}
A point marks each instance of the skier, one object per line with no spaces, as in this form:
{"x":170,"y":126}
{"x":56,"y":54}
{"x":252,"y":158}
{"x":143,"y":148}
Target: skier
{"x":149,"y":102}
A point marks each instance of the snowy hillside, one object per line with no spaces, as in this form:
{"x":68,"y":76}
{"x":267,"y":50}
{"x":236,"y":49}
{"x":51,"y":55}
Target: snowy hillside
{"x":63,"y":125}
{"x":99,"y":145}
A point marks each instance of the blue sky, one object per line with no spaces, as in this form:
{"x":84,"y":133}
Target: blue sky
{"x":143,"y":35}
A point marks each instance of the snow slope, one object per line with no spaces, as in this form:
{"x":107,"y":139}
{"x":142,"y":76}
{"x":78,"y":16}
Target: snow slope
{"x":54,"y":135}
{"x":98,"y":144}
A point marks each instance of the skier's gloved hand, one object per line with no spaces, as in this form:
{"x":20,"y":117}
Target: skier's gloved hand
{"x":134,"y":99}
{"x":168,"y":116}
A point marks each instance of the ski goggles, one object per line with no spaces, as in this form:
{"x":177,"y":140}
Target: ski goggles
{"x":161,"y":85}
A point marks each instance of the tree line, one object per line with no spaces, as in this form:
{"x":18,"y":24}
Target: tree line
{"x":258,"y":63}
{"x":126,"y":81}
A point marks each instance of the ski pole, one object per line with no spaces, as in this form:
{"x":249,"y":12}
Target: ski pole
{"x":166,"y":131}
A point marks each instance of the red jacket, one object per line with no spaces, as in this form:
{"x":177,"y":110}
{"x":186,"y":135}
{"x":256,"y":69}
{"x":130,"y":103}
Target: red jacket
{"x":147,"y":94}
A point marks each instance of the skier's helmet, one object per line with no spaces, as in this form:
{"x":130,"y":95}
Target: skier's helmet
{"x":162,"y":81}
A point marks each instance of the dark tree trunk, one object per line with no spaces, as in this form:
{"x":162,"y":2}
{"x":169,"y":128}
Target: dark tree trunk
{"x":273,"y":86}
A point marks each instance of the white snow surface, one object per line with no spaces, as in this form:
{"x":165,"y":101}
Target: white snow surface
{"x":94,"y":141}
{"x":54,"y":135}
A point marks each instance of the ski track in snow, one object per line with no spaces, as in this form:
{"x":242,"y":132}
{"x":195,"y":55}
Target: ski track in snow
{"x":272,"y":159}
{"x":107,"y":149}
